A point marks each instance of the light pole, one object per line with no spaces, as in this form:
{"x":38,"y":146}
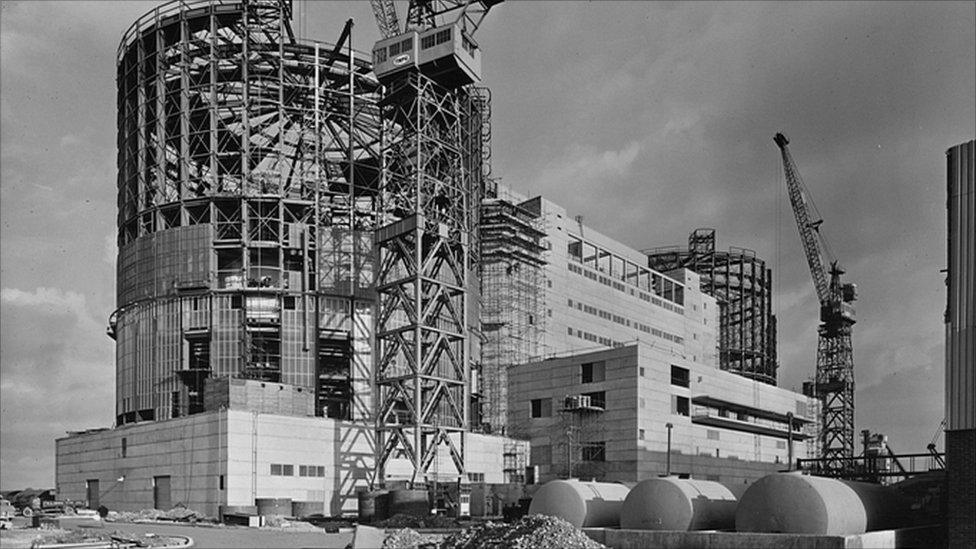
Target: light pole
{"x":789,"y":440}
{"x":669,"y":426}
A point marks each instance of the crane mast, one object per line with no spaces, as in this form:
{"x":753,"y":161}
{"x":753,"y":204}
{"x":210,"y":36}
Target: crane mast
{"x":834,"y":381}
{"x":429,"y":195}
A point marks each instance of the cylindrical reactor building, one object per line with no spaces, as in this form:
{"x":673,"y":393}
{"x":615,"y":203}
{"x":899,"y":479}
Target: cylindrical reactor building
{"x":743,"y":286}
{"x":248,"y":170}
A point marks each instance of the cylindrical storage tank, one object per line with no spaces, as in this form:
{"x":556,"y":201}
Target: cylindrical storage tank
{"x":673,"y":503}
{"x":795,"y":503}
{"x":268,"y":507}
{"x":582,"y":504}
{"x":302,"y":509}
{"x":408,"y":502}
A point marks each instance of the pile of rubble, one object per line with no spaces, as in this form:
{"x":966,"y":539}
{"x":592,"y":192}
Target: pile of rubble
{"x":531,"y":532}
{"x":406,"y":538}
{"x":411,"y":521}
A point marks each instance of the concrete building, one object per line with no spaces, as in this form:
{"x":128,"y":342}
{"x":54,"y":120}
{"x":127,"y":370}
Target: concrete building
{"x":605,"y":415}
{"x":262,"y":442}
{"x":960,"y":318}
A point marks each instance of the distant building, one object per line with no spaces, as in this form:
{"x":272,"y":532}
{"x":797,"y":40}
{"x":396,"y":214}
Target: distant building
{"x":960,"y":318}
{"x":605,"y":415}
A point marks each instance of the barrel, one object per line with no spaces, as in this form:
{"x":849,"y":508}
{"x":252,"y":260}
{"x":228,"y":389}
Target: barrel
{"x":268,"y":507}
{"x":795,"y":503}
{"x":672,"y":503}
{"x":582,"y":504}
{"x":303,"y":509}
{"x":408,"y":502}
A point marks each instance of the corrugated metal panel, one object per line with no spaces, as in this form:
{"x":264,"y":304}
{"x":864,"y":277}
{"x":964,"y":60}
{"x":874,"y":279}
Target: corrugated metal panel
{"x":960,"y":307}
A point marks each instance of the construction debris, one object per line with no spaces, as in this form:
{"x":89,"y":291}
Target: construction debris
{"x":407,"y":538}
{"x":531,"y":532}
{"x":176,"y":514}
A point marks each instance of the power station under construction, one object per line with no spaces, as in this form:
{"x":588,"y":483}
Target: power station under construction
{"x":328,"y":304}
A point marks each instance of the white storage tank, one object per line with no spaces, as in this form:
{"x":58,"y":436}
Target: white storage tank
{"x":582,"y":504}
{"x":795,"y":503}
{"x":672,"y":503}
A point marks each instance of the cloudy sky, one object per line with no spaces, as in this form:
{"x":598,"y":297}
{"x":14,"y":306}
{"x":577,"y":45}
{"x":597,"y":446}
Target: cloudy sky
{"x":648,"y":119}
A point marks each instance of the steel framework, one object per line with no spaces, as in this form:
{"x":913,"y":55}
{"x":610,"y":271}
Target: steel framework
{"x":423,"y":364}
{"x":742,"y":284}
{"x":248,"y":190}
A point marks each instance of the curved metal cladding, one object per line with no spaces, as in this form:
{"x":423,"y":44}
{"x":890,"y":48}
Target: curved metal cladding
{"x":743,"y":286}
{"x":248,"y":173}
{"x":794,"y":503}
{"x":582,"y":504}
{"x":673,"y":503}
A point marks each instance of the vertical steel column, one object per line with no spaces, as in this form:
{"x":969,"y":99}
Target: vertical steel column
{"x":421,"y":325}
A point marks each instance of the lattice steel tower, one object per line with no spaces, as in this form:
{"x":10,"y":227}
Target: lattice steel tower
{"x":834,"y":382}
{"x":430,"y":194}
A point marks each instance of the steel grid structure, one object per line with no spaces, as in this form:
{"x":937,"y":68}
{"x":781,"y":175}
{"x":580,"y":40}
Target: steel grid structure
{"x":423,"y":275}
{"x":248,"y":191}
{"x":743,"y":285}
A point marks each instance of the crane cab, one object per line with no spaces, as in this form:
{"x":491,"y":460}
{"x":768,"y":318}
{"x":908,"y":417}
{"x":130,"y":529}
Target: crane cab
{"x":449,"y":56}
{"x":392,"y":56}
{"x":445,"y":54}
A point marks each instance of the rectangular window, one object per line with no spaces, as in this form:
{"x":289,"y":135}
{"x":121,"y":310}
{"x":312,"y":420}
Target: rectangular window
{"x":597,"y":398}
{"x":276,"y":469}
{"x":595,"y":451}
{"x":575,"y":249}
{"x":289,"y":302}
{"x":679,"y":405}
{"x":679,"y":376}
{"x":125,"y":446}
{"x":221,"y":482}
{"x":712,"y":434}
{"x":780,"y":444}
{"x":288,"y":470}
{"x":640,"y":434}
{"x":642,"y":371}
{"x":303,"y":471}
{"x":476,"y":477}
{"x":542,"y":407}
{"x":592,"y":372}
{"x":320,"y":470}
{"x":427,"y":42}
{"x":380,"y":54}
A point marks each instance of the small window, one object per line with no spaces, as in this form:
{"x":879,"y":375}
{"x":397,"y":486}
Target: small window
{"x":679,"y":405}
{"x":780,"y":444}
{"x":712,"y":434}
{"x":642,"y":371}
{"x":406,"y":46}
{"x":380,"y":54}
{"x":598,"y":399}
{"x":288,"y":470}
{"x":595,"y":451}
{"x":476,"y":477}
{"x":125,"y":446}
{"x":320,"y":470}
{"x":679,"y":376}
{"x":542,"y":407}
{"x":289,"y":302}
{"x":427,"y":42}
{"x":236,"y":302}
{"x":592,"y":372}
{"x":443,"y":36}
{"x":303,"y":470}
{"x":640,"y":434}
{"x":221,"y":482}
{"x":276,"y":469}
{"x":395,"y":48}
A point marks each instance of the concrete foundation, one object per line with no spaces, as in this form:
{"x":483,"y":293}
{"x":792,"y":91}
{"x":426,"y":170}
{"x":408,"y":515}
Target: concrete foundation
{"x":664,"y":539}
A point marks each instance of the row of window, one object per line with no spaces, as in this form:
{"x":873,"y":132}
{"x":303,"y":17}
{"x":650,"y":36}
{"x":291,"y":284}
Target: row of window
{"x":617,"y":268}
{"x":587,"y":336}
{"x":288,"y":470}
{"x":542,"y":407}
{"x":606,"y":315}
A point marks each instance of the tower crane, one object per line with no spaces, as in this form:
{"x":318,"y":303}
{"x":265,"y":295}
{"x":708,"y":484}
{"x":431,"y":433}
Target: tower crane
{"x":834,"y":381}
{"x":429,"y":193}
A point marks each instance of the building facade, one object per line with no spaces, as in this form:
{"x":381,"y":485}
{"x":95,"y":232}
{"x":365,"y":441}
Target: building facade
{"x":960,"y":318}
{"x":261,"y":442}
{"x":614,"y":414}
